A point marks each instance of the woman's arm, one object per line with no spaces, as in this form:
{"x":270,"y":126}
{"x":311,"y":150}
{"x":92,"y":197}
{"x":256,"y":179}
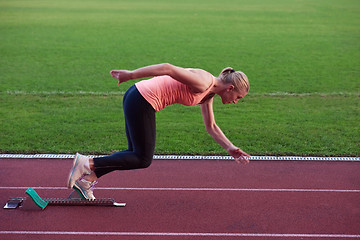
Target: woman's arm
{"x":198,"y":80}
{"x":216,"y":133}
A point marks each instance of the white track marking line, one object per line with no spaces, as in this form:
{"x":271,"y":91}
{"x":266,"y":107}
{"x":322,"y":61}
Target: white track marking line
{"x":199,"y":189}
{"x":190,"y":157}
{"x":161,"y":234}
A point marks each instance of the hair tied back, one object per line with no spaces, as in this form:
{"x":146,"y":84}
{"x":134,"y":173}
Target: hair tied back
{"x":227,"y":70}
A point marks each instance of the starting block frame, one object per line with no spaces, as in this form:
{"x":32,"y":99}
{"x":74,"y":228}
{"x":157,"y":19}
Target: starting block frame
{"x":34,"y":202}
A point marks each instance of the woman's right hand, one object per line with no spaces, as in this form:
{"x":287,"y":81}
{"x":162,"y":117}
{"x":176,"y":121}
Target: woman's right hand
{"x":121,"y":75}
{"x":239,"y":155}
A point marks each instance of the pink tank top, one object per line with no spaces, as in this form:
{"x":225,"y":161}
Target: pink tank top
{"x":164,"y":90}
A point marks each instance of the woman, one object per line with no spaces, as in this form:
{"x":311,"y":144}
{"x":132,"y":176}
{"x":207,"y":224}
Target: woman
{"x":170,"y":84}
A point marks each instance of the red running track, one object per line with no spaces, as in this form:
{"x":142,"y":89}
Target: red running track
{"x":187,"y":199}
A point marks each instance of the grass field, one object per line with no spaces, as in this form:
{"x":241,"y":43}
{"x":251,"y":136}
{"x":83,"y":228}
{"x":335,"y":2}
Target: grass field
{"x":302,"y":58}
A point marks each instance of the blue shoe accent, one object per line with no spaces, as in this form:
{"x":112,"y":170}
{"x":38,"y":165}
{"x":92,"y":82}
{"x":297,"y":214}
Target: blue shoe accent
{"x":80,"y":192}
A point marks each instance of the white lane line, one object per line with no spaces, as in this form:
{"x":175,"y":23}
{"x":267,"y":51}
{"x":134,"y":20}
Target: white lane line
{"x":190,"y":157}
{"x":198,"y":189}
{"x":162,"y":234}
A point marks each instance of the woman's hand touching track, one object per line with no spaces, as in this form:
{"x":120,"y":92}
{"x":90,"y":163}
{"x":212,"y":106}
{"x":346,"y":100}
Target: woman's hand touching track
{"x":243,"y":159}
{"x":239,"y":155}
{"x":121,"y":75}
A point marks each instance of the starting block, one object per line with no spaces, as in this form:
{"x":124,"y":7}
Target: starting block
{"x":34,"y":202}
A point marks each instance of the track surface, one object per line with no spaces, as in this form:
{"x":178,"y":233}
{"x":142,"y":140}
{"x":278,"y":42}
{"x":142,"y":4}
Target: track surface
{"x":191,"y":200}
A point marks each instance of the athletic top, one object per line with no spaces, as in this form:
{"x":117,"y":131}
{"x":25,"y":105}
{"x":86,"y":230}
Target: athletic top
{"x":164,"y":90}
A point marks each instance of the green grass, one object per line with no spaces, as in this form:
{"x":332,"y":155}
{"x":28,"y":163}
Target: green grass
{"x":51,"y":50}
{"x":261,"y":125}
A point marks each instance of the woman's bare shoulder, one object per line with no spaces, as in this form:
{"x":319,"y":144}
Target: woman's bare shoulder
{"x":205,"y":75}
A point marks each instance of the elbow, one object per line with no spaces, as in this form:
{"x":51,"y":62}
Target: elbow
{"x":166,"y":68}
{"x":210,"y":128}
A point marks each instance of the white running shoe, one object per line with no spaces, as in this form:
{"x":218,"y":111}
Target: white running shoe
{"x":80,"y":168}
{"x":85,"y":188}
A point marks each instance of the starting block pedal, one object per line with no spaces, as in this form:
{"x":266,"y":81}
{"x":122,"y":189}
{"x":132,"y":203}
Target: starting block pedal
{"x":34,"y":202}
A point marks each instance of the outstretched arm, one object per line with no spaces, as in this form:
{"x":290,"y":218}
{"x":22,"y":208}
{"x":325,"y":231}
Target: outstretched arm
{"x":198,"y":80}
{"x":216,"y":133}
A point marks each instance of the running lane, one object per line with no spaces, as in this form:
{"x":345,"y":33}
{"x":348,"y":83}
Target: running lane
{"x":191,"y":200}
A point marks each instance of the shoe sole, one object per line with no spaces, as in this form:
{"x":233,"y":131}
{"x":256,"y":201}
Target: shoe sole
{"x":69,"y":185}
{"x":81,"y":193}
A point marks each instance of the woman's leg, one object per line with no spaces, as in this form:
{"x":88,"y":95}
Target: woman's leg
{"x":141,"y":134}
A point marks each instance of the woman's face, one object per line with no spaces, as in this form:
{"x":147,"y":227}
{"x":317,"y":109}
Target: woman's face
{"x":231,"y":95}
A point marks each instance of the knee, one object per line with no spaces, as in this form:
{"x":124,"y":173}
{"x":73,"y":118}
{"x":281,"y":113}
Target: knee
{"x":145,"y":162}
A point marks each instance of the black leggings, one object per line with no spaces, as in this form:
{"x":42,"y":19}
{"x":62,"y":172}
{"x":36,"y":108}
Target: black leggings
{"x":140,"y":129}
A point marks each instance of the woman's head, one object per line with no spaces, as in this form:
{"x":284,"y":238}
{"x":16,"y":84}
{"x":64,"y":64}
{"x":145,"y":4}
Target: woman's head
{"x":238,"y":79}
{"x":236,"y":85}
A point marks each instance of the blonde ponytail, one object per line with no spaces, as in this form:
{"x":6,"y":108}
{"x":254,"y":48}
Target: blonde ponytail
{"x":227,"y":70}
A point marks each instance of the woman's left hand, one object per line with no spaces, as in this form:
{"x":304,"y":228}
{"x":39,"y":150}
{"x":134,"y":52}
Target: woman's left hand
{"x":239,"y":155}
{"x":121,"y":75}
